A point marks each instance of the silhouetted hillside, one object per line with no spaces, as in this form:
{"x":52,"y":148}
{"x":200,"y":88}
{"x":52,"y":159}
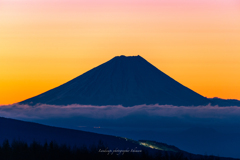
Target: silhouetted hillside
{"x":27,"y":140}
{"x":28,"y":132}
{"x":19,"y":150}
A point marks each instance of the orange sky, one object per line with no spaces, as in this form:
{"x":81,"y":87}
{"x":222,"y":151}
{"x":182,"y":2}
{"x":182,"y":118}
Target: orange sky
{"x":46,"y":43}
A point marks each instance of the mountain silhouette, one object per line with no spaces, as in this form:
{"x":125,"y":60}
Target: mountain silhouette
{"x":126,"y":81}
{"x":224,"y":102}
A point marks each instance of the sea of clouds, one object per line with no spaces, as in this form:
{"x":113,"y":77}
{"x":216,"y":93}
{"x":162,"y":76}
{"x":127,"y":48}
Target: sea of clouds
{"x":146,"y":113}
{"x":41,"y":111}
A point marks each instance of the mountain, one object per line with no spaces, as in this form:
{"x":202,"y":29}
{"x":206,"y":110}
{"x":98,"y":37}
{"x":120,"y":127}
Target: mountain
{"x":224,"y":102}
{"x":29,"y":132}
{"x":126,"y":81}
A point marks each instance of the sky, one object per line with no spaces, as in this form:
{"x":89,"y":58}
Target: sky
{"x":45,"y":43}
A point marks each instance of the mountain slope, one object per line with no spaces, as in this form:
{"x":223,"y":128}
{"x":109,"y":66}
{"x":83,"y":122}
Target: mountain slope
{"x":28,"y":132}
{"x":126,"y":81}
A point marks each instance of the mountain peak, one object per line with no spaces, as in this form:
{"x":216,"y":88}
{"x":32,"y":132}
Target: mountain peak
{"x":123,"y":80}
{"x":128,"y":57}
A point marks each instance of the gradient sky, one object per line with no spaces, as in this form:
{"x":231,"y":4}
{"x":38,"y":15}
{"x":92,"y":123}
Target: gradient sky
{"x":44,"y":43}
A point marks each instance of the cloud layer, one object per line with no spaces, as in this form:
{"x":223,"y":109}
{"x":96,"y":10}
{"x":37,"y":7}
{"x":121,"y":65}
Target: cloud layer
{"x":43,"y":111}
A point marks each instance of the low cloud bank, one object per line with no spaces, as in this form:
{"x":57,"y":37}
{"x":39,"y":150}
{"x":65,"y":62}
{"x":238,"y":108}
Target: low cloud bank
{"x":43,"y":111}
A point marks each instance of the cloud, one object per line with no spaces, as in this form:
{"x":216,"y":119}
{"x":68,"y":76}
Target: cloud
{"x":42,"y":111}
{"x":154,"y":117}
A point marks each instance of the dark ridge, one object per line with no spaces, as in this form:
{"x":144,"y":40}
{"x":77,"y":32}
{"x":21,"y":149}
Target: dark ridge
{"x":28,"y":132}
{"x":224,"y":102}
{"x":23,"y":134}
{"x":126,"y":81}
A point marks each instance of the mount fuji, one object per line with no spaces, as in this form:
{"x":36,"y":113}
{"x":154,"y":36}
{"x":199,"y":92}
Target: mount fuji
{"x":126,"y":81}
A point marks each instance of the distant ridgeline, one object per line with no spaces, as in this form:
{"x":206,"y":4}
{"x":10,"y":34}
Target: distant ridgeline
{"x":224,"y":102}
{"x":126,"y":81}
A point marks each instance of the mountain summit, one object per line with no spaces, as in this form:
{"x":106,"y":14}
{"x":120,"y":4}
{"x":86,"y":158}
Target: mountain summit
{"x":126,"y":81}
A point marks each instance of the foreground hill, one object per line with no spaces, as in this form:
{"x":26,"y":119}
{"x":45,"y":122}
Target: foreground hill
{"x":28,"y":132}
